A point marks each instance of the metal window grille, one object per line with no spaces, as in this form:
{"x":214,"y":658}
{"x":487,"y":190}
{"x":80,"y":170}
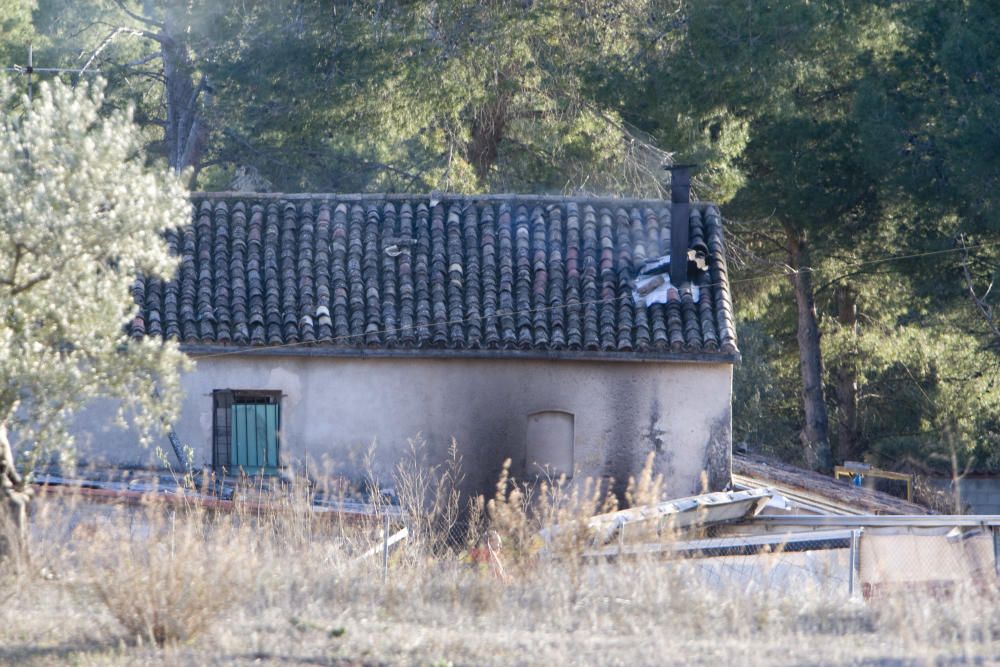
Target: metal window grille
{"x":245,"y":431}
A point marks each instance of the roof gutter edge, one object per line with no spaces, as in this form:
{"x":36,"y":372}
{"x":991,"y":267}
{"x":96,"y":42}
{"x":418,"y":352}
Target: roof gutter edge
{"x":209,"y":350}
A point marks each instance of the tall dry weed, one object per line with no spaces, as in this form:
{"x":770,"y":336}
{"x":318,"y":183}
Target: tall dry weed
{"x":549,"y":517}
{"x":430,"y":498}
{"x":563,"y":510}
{"x":168,"y":576}
{"x":511,"y":528}
{"x":647,"y":488}
{"x":280,"y":584}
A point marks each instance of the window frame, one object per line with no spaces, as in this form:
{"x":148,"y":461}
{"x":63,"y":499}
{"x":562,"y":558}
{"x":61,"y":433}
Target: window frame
{"x":223,"y":401}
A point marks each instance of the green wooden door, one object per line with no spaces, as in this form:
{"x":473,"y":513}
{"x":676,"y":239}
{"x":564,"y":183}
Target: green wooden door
{"x":254,"y":444}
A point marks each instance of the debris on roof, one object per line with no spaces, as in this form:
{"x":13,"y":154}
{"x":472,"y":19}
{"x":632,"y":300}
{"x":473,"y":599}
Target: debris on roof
{"x":857,"y":471}
{"x":678,"y":514}
{"x":653,"y":284}
{"x":815,"y":492}
{"x":409,"y":272}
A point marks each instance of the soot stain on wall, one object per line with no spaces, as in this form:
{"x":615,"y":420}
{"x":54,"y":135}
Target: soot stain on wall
{"x":654,"y":434}
{"x":657,"y":441}
{"x":333,"y":410}
{"x":623,"y":436}
{"x":718,"y":463}
{"x":494,"y":441}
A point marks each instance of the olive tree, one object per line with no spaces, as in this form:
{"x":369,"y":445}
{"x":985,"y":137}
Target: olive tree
{"x":81,"y":215}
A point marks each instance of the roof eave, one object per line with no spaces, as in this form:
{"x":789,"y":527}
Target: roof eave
{"x":206,"y":350}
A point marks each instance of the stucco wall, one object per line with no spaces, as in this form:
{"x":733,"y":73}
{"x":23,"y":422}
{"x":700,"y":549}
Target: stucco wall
{"x":333,"y":409}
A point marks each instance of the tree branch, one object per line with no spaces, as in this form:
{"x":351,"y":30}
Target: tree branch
{"x":11,"y":280}
{"x":984,"y":308}
{"x":104,"y":44}
{"x":28,"y":285}
{"x":138,"y":17}
{"x":675,"y":25}
{"x":142,"y":61}
{"x":18,"y":253}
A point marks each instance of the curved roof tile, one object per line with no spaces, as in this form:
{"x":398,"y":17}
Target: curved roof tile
{"x":507,"y":273}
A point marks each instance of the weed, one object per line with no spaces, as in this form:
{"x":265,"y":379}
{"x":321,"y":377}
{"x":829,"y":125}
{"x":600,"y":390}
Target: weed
{"x":177,"y":578}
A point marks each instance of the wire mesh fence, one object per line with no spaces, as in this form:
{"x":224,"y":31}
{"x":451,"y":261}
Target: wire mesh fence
{"x":851,"y":561}
{"x":866,"y":557}
{"x":930,"y":561}
{"x":822,"y":565}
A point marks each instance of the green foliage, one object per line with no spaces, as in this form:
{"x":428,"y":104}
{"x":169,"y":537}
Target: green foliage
{"x":766,"y":400}
{"x":358,"y":96}
{"x":80,"y":216}
{"x":865,"y":130}
{"x":16,"y":31}
{"x":862,"y":138}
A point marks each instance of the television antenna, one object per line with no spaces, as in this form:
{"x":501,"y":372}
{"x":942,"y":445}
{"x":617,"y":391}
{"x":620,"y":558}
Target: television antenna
{"x":29,"y":69}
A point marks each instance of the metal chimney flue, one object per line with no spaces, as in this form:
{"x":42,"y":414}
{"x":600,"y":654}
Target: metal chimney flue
{"x":680,"y":227}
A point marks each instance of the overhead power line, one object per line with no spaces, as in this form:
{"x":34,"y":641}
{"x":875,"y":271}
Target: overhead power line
{"x":542,"y":309}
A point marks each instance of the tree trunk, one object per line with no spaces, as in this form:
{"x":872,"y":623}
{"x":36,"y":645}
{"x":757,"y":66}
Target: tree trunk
{"x":814,"y":435}
{"x":846,"y":382}
{"x":14,"y":498}
{"x":185,"y":131}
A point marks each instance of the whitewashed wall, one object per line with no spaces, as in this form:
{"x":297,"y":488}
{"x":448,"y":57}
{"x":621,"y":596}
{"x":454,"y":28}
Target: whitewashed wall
{"x":333,"y":409}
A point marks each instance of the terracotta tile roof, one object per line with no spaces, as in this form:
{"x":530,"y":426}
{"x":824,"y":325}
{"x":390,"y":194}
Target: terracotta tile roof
{"x":508,"y":273}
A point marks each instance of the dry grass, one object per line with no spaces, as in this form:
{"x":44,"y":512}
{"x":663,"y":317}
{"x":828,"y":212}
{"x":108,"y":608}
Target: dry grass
{"x":174,"y":582}
{"x":286,"y":586}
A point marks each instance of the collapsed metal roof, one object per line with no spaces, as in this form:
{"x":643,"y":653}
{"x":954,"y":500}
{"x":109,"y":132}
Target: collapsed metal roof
{"x":676,"y":515}
{"x":815,"y":493}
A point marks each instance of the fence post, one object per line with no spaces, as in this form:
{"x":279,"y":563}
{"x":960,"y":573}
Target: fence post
{"x":853,"y":567}
{"x":996,"y":549}
{"x":385,"y":549}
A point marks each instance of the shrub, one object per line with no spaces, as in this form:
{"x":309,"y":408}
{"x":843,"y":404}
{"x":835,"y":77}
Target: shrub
{"x":171,"y":576}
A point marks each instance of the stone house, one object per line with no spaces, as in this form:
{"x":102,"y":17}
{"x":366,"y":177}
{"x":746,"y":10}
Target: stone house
{"x":541,"y":329}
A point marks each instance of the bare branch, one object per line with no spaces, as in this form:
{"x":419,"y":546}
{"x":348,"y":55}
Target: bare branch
{"x":20,"y":250}
{"x":138,"y":17}
{"x":145,"y":60}
{"x":984,"y":308}
{"x":850,"y":274}
{"x":107,"y":40}
{"x":674,"y":26}
{"x":18,"y":254}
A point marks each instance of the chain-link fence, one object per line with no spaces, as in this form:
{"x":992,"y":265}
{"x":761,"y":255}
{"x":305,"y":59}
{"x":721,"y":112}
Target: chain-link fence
{"x":867,"y":557}
{"x":860,"y":556}
{"x":857,"y":556}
